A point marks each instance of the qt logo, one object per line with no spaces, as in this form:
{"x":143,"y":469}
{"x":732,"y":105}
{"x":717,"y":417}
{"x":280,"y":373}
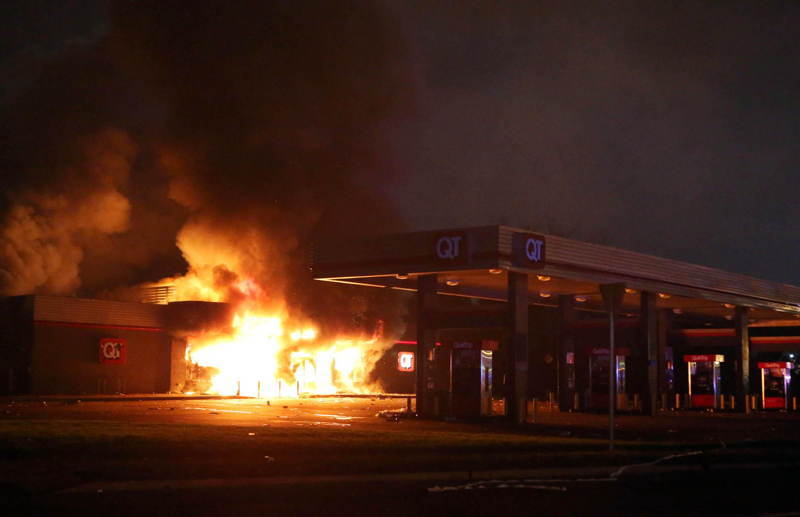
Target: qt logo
{"x":533,"y":249}
{"x":112,"y":350}
{"x":405,"y":361}
{"x":529,"y":250}
{"x":451,"y":248}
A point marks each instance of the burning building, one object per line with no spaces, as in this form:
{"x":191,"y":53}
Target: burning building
{"x":206,"y":150}
{"x":53,"y":344}
{"x":67,"y":345}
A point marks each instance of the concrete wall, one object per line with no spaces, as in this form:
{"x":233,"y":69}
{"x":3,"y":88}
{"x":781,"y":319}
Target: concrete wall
{"x":387,"y":375}
{"x":178,"y":366}
{"x":65,"y":359}
{"x":16,"y":330}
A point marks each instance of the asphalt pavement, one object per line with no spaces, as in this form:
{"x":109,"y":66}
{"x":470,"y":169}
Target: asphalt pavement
{"x":686,"y":483}
{"x":742,"y":491}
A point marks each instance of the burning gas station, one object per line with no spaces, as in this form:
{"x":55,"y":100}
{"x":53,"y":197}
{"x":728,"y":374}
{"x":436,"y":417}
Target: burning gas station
{"x":506,"y":317}
{"x":501,"y":320}
{"x":244,"y":268}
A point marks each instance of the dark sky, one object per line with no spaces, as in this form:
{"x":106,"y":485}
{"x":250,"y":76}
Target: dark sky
{"x":664,"y":127}
{"x":671,"y":129}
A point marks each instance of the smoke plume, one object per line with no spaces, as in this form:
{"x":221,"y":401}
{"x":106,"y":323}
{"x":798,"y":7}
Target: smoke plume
{"x":206,"y":143}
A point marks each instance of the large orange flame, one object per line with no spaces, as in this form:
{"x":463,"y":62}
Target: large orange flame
{"x":261,"y":357}
{"x":267,"y":349}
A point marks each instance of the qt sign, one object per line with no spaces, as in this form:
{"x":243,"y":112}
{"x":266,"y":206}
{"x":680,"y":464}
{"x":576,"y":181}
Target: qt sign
{"x":451,"y":248}
{"x":528,"y":250}
{"x":112,"y":350}
{"x":405,"y":361}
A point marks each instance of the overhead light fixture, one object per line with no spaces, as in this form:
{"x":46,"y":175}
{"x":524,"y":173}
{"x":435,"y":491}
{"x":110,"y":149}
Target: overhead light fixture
{"x":452,"y":282}
{"x":544,"y":294}
{"x":495,"y":271}
{"x":543,"y":278}
{"x":728,"y":305}
{"x":628,"y":290}
{"x":580,"y":298}
{"x":664,"y":296}
{"x":401,"y":276}
{"x":677,"y":310}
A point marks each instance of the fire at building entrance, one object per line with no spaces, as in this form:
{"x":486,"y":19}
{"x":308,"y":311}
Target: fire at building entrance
{"x":260,"y":357}
{"x":64,"y":345}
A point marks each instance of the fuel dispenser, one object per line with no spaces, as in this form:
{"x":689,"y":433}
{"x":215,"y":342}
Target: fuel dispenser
{"x":472,"y":378}
{"x":775,"y":377}
{"x":598,"y":377}
{"x":704,"y":380}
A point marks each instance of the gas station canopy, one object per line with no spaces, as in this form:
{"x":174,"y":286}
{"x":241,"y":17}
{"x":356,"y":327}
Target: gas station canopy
{"x":473,"y":262}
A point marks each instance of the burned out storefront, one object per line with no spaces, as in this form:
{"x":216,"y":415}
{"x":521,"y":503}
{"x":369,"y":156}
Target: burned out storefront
{"x":505,"y":316}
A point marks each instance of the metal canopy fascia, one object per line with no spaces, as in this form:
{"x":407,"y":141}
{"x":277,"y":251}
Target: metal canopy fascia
{"x":376,"y":261}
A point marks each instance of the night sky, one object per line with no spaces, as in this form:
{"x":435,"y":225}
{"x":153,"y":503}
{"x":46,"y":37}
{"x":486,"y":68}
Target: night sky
{"x":668,"y":128}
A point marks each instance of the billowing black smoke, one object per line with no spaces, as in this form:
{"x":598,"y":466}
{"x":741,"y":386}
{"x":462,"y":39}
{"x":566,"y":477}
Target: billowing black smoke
{"x":241,"y":131}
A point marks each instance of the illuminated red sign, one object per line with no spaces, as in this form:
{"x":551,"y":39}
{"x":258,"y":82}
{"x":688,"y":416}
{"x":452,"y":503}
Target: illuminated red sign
{"x":112,"y":350}
{"x":704,"y":358}
{"x":775,"y":365}
{"x":405,"y":361}
{"x":490,"y":344}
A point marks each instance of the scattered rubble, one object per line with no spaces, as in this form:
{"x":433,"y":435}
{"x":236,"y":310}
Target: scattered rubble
{"x":395,"y":415}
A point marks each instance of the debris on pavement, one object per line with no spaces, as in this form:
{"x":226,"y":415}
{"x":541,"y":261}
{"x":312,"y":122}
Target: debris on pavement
{"x":394,"y":415}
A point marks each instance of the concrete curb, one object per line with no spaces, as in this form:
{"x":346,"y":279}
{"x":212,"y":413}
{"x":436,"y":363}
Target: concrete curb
{"x":74,"y":399}
{"x":162,"y":396}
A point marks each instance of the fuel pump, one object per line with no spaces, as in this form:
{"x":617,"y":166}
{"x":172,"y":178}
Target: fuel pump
{"x":775,"y":378}
{"x":486,"y":382}
{"x":472,"y":377}
{"x":598,"y":378}
{"x":704,"y":380}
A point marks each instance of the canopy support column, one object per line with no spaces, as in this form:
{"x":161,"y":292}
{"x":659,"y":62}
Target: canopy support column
{"x":426,"y":340}
{"x":518,"y":356}
{"x":742,"y":358}
{"x":653,"y":360}
{"x":566,"y":353}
